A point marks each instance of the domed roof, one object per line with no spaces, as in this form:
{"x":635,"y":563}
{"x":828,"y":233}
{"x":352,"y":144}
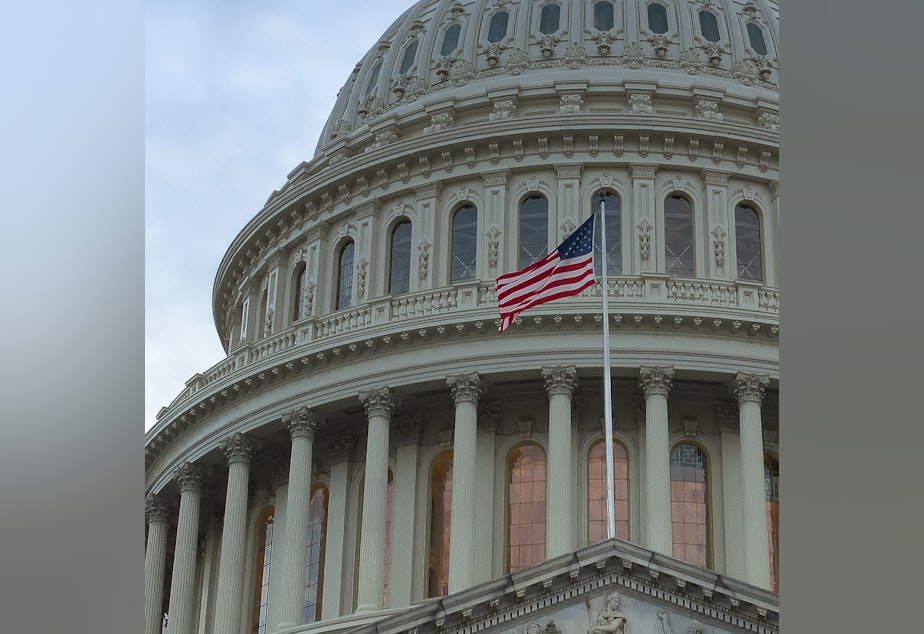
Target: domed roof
{"x":474,"y":46}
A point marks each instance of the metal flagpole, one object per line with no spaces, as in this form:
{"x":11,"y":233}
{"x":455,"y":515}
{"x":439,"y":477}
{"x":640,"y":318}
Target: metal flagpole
{"x":607,"y":397}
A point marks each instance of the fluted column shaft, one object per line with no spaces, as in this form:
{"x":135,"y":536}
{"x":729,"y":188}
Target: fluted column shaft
{"x":379,"y":404}
{"x":190,"y":478}
{"x":302,"y":424}
{"x":238,"y":448}
{"x":155,"y":556}
{"x":656,"y":383}
{"x":339,"y":450}
{"x":560,"y":511}
{"x":466,"y":389}
{"x":749,"y":388}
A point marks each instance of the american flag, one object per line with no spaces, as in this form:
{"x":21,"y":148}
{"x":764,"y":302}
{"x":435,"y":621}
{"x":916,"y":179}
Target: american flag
{"x":564,"y":272}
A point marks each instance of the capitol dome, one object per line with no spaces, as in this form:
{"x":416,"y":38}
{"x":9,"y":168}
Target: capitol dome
{"x":373,"y":454}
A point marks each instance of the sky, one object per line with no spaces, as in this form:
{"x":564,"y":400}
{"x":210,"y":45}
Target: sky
{"x":236,"y":94}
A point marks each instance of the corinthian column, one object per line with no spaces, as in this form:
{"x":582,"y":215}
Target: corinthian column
{"x":238,"y":448}
{"x":466,"y":388}
{"x":154,"y":558}
{"x":560,"y":382}
{"x":379,"y":404}
{"x":302,"y":423}
{"x":655,"y":381}
{"x":749,"y":388}
{"x":190,"y":478}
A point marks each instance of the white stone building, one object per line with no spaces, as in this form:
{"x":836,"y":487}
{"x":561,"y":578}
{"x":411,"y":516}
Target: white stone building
{"x":372,"y":455}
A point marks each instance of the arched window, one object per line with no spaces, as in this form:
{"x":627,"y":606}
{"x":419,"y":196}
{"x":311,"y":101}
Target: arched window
{"x":464,"y":243}
{"x":534,"y":229}
{"x":497,"y":29}
{"x":613,"y":222}
{"x":756,"y":38}
{"x":678,"y":236}
{"x":373,"y":77}
{"x":389,"y":499}
{"x":549,"y":17}
{"x":747,"y":243}
{"x":399,"y":271}
{"x":450,"y":40}
{"x":261,"y":583}
{"x":657,"y":18}
{"x":603,"y":16}
{"x":771,"y":486}
{"x":709,"y":25}
{"x":410,"y":53}
{"x":345,"y":276}
{"x":689,"y":499}
{"x":596,"y":491}
{"x":314,"y":556}
{"x":299,"y":301}
{"x":440,"y":522}
{"x":525,"y":506}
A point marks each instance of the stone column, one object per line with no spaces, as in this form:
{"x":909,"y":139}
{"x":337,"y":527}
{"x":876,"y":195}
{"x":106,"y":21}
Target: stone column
{"x":401,"y":566}
{"x":488,"y":416}
{"x":749,"y":388}
{"x":560,"y":382}
{"x":466,"y":388}
{"x":190,"y":478}
{"x":655,"y":381}
{"x":154,"y":558}
{"x":281,"y":496}
{"x":339,"y":450}
{"x":379,"y":404}
{"x":301,"y":424}
{"x":238,"y":448}
{"x":727,"y":415}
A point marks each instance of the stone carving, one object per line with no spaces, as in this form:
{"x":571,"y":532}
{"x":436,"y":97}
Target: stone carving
{"x":440,"y":121}
{"x":744,"y":72}
{"x":640,"y":104}
{"x":660,"y":43}
{"x":493,"y":245}
{"x":492,"y":53}
{"x":718,"y":245}
{"x":610,"y":620}
{"x":749,"y":388}
{"x":575,"y":56}
{"x":340,"y":447}
{"x":386,"y":137}
{"x":518,"y":61}
{"x":301,"y":422}
{"x":342,"y":128}
{"x":156,"y":508}
{"x":764,"y":67}
{"x":570,"y":104}
{"x":713,"y":52}
{"x":560,"y":380}
{"x":361,"y":278}
{"x":547,"y":44}
{"x":370,"y":107}
{"x":488,"y":415}
{"x":526,"y":425}
{"x":567,"y":228}
{"x":268,"y":321}
{"x":280,"y":470}
{"x":239,"y":447}
{"x":444,"y":66}
{"x":190,"y":477}
{"x":503,"y":109}
{"x":465,"y":388}
{"x":655,"y":380}
{"x":668,"y":147}
{"x":633,"y":56}
{"x":408,"y":428}
{"x":689,"y":427}
{"x":604,"y":41}
{"x":378,"y":402}
{"x":774,"y":189}
{"x":463,"y":72}
{"x":691,"y":62}
{"x":695,"y":626}
{"x":423,"y":258}
{"x":769,"y":121}
{"x":644,"y":238}
{"x":708,"y":109}
{"x":693,"y":149}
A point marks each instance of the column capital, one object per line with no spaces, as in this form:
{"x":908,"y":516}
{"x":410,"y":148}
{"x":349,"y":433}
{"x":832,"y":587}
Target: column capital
{"x":281,"y":470}
{"x":726,"y":413}
{"x":239,"y":447}
{"x":488,"y":415}
{"x":656,"y":380}
{"x":190,"y":477}
{"x":340,"y":447}
{"x":156,"y":508}
{"x":466,"y":388}
{"x":749,"y":388}
{"x":560,"y":380}
{"x":378,"y":401}
{"x":301,"y":422}
{"x":408,"y":428}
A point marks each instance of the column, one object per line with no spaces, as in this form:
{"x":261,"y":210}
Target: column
{"x":154,"y":558}
{"x":749,"y":388}
{"x":488,"y":416}
{"x":655,"y":381}
{"x":339,"y":450}
{"x":277,"y":563}
{"x":301,"y":424}
{"x":727,"y":415}
{"x":401,"y":566}
{"x":560,"y":382}
{"x":238,"y":448}
{"x":190,"y":478}
{"x":465,"y":388}
{"x":379,"y":404}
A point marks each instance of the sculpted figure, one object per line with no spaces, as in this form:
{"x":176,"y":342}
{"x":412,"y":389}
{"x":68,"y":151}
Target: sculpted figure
{"x":610,"y":620}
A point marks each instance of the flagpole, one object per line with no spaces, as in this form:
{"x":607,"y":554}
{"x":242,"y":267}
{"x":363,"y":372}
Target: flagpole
{"x":607,"y":396}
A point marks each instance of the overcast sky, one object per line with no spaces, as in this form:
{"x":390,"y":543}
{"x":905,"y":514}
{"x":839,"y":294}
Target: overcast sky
{"x":236,"y":95}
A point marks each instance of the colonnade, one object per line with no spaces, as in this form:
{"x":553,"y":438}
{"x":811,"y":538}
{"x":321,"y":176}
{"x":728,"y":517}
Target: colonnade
{"x":466,"y":520}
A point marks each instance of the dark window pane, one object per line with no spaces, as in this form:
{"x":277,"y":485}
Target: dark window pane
{"x":374,"y":77}
{"x":603,"y":16}
{"x":534,"y":230}
{"x":497,"y":29}
{"x":678,"y":236}
{"x":657,"y":18}
{"x":450,"y":40}
{"x":613,"y":234}
{"x":409,"y":54}
{"x":548,"y":18}
{"x":709,"y":25}
{"x":400,"y":272}
{"x":464,"y":243}
{"x":314,"y":554}
{"x":756,"y":37}
{"x":747,"y":243}
{"x":300,"y":287}
{"x":345,"y":278}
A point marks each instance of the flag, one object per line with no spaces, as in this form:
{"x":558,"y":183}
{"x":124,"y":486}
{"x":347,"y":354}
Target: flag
{"x":564,"y":272}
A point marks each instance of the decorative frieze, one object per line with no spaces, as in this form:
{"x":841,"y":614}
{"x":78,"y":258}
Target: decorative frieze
{"x":640,"y":103}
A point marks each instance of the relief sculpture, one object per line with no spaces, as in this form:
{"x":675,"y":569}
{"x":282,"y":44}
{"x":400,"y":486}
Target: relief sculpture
{"x":610,"y":620}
